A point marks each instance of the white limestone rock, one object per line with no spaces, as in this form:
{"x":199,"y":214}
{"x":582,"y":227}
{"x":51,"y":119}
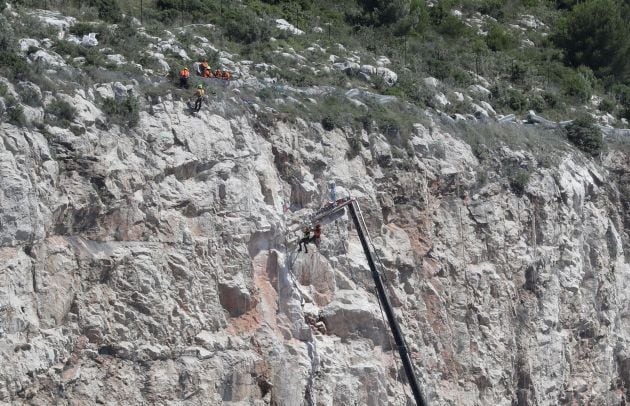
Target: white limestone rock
{"x":431,"y":81}
{"x":479,"y":91}
{"x":284,"y":25}
{"x":26,"y":43}
{"x":48,"y":59}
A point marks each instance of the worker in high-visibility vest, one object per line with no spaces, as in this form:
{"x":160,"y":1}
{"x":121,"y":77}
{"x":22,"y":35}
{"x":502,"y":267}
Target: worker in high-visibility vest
{"x":199,"y":93}
{"x":184,"y":74}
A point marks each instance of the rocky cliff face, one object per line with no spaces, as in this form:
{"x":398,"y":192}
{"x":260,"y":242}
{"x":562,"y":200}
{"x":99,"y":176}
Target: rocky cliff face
{"x":159,"y":266}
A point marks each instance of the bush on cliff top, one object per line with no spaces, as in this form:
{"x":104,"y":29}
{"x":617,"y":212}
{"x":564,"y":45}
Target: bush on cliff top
{"x":583,"y":133}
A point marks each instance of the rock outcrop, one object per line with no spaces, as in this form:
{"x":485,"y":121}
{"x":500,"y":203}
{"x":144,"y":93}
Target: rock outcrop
{"x":159,"y":265}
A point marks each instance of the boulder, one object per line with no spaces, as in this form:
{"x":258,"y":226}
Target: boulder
{"x":235,"y":297}
{"x":89,"y":40}
{"x":383,"y":61}
{"x":48,"y":59}
{"x":440,"y":100}
{"x":368,"y":69}
{"x":478,"y":90}
{"x":381,"y":151}
{"x":284,"y":25}
{"x":118,"y":59}
{"x":355,"y":313}
{"x":430,"y":81}
{"x":347,"y":67}
{"x":389,"y":76}
{"x":121,"y":91}
{"x":56,"y":21}
{"x":26,"y":43}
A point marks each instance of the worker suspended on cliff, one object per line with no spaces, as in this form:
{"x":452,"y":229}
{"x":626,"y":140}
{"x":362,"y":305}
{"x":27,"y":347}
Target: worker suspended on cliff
{"x":317,"y":233}
{"x":307,"y":239}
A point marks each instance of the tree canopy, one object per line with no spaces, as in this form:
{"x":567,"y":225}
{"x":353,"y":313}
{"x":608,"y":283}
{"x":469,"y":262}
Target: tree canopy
{"x":596,"y":33}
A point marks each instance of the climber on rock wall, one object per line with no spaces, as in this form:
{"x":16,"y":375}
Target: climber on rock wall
{"x":317,"y":233}
{"x":307,"y":237}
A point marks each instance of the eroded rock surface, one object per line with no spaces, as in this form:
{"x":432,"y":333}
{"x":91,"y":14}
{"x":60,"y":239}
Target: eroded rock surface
{"x":159,"y":266}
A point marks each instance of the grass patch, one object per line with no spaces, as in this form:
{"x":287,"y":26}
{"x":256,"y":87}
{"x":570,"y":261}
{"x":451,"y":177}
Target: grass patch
{"x":485,"y":138}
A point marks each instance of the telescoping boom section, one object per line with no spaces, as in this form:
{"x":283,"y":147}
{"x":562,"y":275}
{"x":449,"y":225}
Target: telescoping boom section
{"x":335,"y":210}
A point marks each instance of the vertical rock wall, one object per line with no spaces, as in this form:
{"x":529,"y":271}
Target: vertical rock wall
{"x":159,"y":266}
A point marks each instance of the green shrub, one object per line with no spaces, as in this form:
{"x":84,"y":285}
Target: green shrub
{"x":537,"y":103}
{"x":518,"y":72}
{"x":461,"y":77}
{"x":248,"y":28}
{"x":7,"y":36}
{"x":439,"y":68}
{"x":583,"y":133}
{"x":485,"y":138}
{"x":577,"y":85}
{"x":92,"y":55}
{"x":14,"y":111}
{"x":516,"y":100}
{"x":595,"y":34}
{"x":418,"y":18}
{"x":383,"y":12}
{"x":336,"y":112}
{"x":303,"y":77}
{"x":60,"y":112}
{"x":530,"y":3}
{"x":622,"y":95}
{"x":499,"y":39}
{"x":394,"y":122}
{"x":14,"y":66}
{"x":3,"y":89}
{"x":606,"y":105}
{"x":125,"y":111}
{"x":391,"y":128}
{"x":444,"y":21}
{"x":108,"y":10}
{"x":29,"y":95}
{"x":551,"y":99}
{"x":329,"y":122}
{"x":452,"y":26}
{"x":414,"y":91}
{"x":82,"y":28}
{"x":518,"y":181}
{"x":493,"y":8}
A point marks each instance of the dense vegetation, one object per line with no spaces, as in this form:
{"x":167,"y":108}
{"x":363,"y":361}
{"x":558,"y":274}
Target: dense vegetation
{"x":579,"y":49}
{"x":551,"y":57}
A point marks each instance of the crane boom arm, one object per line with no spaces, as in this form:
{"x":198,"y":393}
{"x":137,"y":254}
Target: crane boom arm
{"x":336,"y":209}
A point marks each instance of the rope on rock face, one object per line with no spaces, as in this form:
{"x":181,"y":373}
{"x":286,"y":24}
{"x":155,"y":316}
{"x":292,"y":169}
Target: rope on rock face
{"x":535,"y":244}
{"x":463,"y":253}
{"x":345,"y":254}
